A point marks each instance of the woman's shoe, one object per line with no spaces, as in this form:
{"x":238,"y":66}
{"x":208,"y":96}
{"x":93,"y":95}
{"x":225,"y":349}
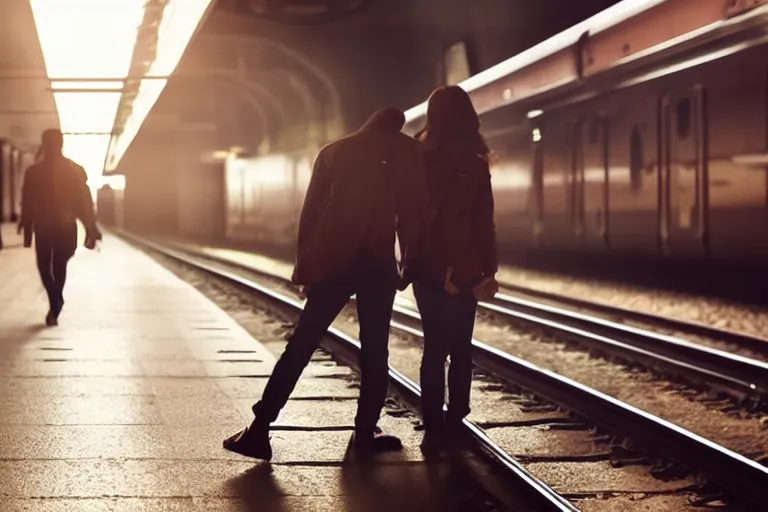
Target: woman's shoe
{"x":457,"y":436}
{"x":433,"y":442}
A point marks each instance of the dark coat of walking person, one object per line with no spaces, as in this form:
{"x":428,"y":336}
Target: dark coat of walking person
{"x":54,"y":195}
{"x":461,"y":257}
{"x":362,"y":186}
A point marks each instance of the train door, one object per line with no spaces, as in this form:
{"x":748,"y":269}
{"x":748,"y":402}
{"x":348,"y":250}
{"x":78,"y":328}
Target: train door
{"x":575,"y":178}
{"x":594,"y":180}
{"x":683,"y":180}
{"x":588,"y":180}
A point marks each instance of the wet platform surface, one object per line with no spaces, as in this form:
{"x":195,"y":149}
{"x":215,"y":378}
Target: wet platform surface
{"x":124,"y":405}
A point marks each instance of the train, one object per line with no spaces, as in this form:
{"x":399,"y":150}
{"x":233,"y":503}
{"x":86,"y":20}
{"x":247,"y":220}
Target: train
{"x":641,"y":131}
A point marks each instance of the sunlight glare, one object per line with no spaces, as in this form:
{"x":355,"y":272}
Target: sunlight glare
{"x":95,"y":39}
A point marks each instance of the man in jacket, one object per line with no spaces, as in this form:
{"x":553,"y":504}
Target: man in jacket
{"x":362,"y":186}
{"x":54,"y":195}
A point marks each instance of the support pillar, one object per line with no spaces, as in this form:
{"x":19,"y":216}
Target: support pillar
{"x":5,"y":171}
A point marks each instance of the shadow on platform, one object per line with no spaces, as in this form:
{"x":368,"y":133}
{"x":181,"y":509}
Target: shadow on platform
{"x":258,"y":489}
{"x":386,"y":483}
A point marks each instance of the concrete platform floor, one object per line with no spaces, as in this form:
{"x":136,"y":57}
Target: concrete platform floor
{"x":124,"y":405}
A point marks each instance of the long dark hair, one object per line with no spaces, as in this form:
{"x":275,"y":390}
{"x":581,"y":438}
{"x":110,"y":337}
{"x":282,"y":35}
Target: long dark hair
{"x":452,"y":123}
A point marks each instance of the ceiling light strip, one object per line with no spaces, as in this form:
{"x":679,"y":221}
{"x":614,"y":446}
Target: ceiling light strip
{"x":180,"y":21}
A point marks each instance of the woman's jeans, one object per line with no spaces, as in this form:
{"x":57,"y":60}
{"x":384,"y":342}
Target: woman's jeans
{"x":448,"y":322}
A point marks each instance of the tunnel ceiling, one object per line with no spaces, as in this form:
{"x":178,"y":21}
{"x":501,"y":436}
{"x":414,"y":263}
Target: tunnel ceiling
{"x":265,"y":91}
{"x":253,"y":89}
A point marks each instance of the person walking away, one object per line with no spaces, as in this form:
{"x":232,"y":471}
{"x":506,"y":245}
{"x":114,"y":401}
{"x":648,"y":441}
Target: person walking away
{"x":363,"y":187}
{"x":462,"y":258}
{"x":54,"y":195}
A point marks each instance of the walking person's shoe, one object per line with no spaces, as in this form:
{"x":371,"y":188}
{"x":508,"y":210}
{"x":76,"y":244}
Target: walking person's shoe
{"x":50,"y":319}
{"x":252,"y":441}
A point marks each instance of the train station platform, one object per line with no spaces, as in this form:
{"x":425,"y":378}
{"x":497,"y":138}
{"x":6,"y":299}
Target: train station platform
{"x":123,"y":406}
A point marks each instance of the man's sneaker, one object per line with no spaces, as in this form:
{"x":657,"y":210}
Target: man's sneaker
{"x":251,"y":442}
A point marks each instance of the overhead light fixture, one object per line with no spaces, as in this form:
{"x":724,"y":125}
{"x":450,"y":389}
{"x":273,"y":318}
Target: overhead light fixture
{"x":88,"y":47}
{"x":533,"y":114}
{"x":149,"y":92}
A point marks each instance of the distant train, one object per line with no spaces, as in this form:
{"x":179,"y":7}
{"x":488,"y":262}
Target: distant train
{"x":642,"y":130}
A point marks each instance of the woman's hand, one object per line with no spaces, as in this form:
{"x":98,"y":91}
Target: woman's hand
{"x":486,"y":290}
{"x":403,"y":278}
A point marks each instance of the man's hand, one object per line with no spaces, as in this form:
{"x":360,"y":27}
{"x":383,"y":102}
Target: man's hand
{"x":448,"y":285}
{"x":302,"y":291}
{"x":92,"y":236}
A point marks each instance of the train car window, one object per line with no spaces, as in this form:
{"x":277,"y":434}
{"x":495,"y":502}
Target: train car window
{"x":683,"y":118}
{"x":636,"y":160}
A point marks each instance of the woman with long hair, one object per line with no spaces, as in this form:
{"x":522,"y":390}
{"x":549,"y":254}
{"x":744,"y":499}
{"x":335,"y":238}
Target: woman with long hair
{"x":461,"y":257}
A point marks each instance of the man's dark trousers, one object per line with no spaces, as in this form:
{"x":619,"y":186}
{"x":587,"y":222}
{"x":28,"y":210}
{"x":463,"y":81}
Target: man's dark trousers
{"x":375,"y":293}
{"x":54,"y":246}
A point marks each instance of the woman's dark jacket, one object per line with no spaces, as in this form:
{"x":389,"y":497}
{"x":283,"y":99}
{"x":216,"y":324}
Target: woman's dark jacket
{"x":462,"y":231}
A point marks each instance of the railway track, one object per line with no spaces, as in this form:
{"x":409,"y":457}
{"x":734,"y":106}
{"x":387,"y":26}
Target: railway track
{"x":739,"y":475}
{"x":621,"y":314}
{"x":741,"y":377}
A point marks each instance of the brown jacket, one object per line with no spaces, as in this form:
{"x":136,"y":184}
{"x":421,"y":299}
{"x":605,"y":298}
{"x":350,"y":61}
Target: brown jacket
{"x":362,"y":187}
{"x":462,"y":230}
{"x":54,"y":194}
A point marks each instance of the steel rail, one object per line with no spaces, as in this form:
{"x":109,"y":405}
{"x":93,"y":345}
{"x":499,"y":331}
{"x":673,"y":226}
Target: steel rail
{"x":541,"y":495}
{"x":742,"y":476}
{"x":741,"y":375}
{"x":741,"y":339}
